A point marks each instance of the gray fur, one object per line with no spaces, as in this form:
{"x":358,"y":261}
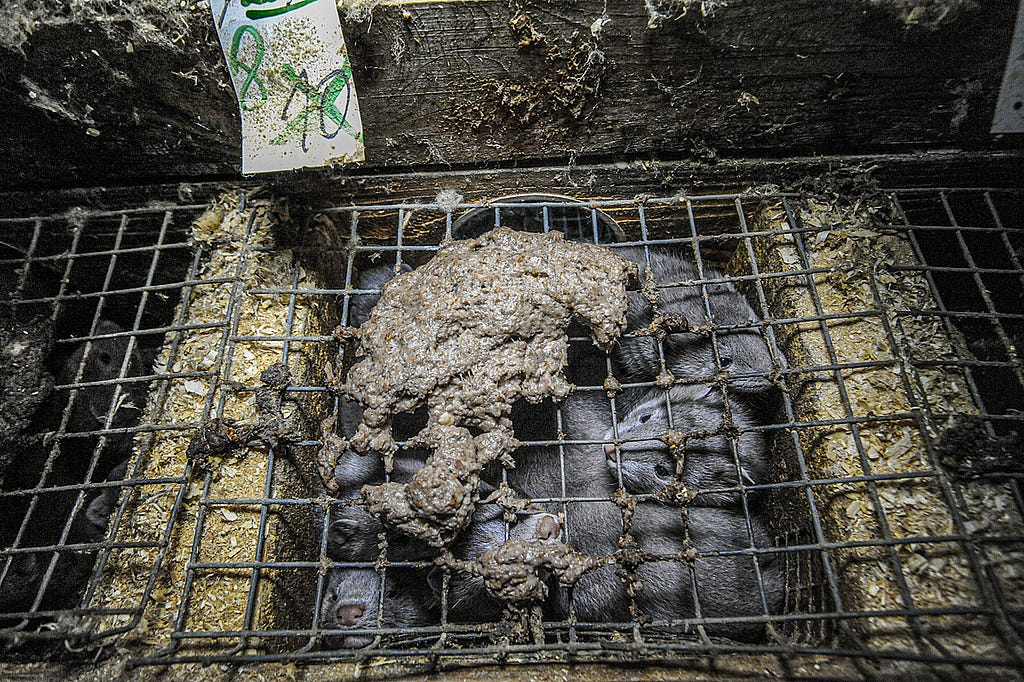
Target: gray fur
{"x":352,"y":601}
{"x":539,"y":470}
{"x":358,"y":469}
{"x":352,"y":598}
{"x":743,"y":353}
{"x":726,"y":587}
{"x":361,"y":305}
{"x":354,"y":470}
{"x":354,"y":533}
{"x":714,"y":461}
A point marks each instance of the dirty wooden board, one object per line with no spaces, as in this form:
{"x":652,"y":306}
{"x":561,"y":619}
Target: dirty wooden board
{"x":468,"y":83}
{"x":602,"y":180}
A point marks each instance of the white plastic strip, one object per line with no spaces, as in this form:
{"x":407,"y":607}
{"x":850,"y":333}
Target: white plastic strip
{"x":1009,"y":117}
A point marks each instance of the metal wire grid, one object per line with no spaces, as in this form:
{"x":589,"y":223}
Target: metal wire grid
{"x":445,"y":639}
{"x":705,"y":219}
{"x":75,"y":270}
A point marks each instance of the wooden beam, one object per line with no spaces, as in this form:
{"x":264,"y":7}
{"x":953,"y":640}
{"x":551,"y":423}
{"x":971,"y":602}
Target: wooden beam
{"x":487,"y":84}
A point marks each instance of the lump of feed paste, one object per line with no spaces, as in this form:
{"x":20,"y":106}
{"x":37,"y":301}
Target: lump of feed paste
{"x":481,"y":324}
{"x":514,"y":572}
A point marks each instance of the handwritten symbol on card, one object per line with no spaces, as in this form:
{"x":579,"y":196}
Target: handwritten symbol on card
{"x":335,"y":84}
{"x":273,"y":11}
{"x":321,"y":104}
{"x":294,"y":84}
{"x":251,"y":70}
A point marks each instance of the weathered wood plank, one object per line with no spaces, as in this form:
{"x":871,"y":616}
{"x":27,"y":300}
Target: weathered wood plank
{"x":453,"y":84}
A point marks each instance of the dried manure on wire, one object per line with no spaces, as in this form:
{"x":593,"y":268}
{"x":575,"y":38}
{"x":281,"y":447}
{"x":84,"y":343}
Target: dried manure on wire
{"x":513,"y":431}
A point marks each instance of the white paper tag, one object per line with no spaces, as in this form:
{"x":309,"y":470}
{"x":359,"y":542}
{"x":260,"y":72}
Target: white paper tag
{"x":293,"y":79}
{"x":1009,"y":115}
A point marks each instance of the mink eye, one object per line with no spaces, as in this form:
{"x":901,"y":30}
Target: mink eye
{"x":662,"y":471}
{"x":644,"y":418}
{"x":726,"y":356}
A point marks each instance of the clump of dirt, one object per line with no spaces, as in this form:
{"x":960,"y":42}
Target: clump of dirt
{"x":566,"y":88}
{"x":219,"y":437}
{"x":660,"y":11}
{"x":479,"y":326}
{"x":523,"y":27}
{"x":515,"y":572}
{"x":925,"y":14}
{"x":967,"y":449}
{"x":359,"y":11}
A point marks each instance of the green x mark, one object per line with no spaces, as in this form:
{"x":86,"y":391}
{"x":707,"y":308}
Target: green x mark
{"x":319,"y":105}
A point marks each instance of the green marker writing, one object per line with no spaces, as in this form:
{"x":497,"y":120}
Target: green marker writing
{"x":255,"y":14}
{"x":251,"y":71}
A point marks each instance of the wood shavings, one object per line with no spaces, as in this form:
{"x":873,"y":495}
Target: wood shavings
{"x":857,"y":274}
{"x":218,"y":368}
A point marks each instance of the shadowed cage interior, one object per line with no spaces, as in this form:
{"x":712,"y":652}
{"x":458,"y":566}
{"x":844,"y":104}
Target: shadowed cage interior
{"x":891,"y":498}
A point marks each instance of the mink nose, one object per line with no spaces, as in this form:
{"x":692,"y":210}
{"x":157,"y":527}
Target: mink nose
{"x":609,"y":451}
{"x":548,"y":527}
{"x":349,"y":614}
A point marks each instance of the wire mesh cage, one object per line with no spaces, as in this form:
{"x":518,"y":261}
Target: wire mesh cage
{"x":841,"y":476}
{"x":89,"y":298}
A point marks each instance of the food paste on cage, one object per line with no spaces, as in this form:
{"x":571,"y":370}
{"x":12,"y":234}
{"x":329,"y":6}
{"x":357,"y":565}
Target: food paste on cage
{"x":480,"y":325}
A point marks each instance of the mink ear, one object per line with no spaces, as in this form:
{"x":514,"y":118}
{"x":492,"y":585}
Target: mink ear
{"x":548,"y":527}
{"x":435,"y":579}
{"x":342,"y":530}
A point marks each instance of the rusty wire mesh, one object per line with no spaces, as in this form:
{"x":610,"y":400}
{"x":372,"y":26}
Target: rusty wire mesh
{"x":138,"y":268}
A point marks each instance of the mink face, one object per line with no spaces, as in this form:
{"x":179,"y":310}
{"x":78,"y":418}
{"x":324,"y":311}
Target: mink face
{"x":742,"y":353}
{"x":353,"y":599}
{"x":94,"y":406}
{"x":725,"y":587}
{"x":57,"y":578}
{"x":713,"y":456}
{"x":104,"y":362}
